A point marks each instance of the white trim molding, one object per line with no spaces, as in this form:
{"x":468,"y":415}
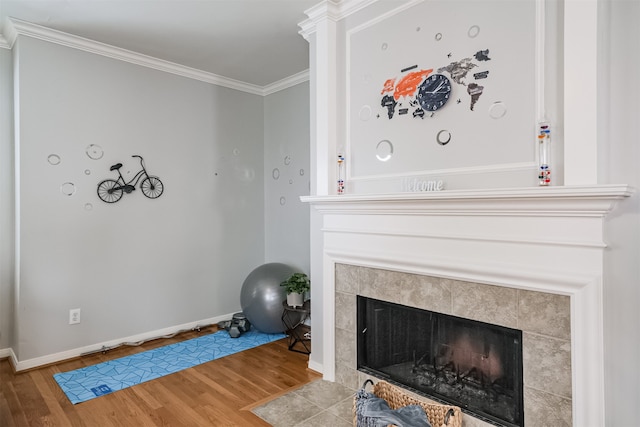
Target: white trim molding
{"x":334,"y":10}
{"x":5,"y":352}
{"x":290,"y":81}
{"x":16,"y":27}
{"x":530,"y":201}
{"x":4,"y":43}
{"x":580,"y":66}
{"x":326,"y":10}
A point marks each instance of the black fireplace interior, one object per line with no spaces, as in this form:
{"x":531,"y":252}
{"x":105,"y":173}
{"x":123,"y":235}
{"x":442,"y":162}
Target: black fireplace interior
{"x":474,"y":365}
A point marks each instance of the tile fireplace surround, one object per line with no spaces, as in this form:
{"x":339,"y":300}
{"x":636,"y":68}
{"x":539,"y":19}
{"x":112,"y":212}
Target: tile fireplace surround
{"x":528,"y":258}
{"x":544,"y":319}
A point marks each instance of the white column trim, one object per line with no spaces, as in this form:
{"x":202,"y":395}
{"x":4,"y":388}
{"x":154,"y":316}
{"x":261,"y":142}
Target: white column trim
{"x":580,"y":92}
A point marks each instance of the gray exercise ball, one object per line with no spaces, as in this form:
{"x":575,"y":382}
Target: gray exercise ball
{"x":261,"y":296}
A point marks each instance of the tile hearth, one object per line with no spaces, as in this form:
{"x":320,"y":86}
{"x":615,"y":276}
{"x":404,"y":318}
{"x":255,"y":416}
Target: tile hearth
{"x":317,"y":404}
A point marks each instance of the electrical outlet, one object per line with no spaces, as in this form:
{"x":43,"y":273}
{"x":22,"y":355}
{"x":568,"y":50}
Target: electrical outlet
{"x":74,"y":316}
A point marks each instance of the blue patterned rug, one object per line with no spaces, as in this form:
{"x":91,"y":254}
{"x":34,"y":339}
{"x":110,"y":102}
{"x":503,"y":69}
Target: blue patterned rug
{"x":104,"y":378}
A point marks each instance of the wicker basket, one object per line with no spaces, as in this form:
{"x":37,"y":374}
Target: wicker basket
{"x":438,"y":415}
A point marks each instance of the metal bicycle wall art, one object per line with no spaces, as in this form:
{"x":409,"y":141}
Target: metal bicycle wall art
{"x":112,"y":190}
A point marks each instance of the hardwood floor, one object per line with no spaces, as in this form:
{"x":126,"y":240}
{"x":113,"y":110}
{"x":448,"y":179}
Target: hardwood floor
{"x":217,"y":393}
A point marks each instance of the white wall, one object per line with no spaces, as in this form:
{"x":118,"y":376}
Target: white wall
{"x":286,"y":176}
{"x":137,"y":265}
{"x":6,"y":197}
{"x":618,"y":156}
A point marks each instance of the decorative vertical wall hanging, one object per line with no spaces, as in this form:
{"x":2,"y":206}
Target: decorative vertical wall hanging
{"x":340,"y":174}
{"x":544,"y":154}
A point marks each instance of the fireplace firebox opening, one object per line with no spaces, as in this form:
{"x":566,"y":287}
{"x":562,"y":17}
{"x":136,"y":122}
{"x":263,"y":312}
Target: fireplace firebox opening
{"x":471,"y":364}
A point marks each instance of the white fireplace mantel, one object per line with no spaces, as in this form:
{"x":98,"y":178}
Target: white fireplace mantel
{"x":547,"y":239}
{"x":574,"y":200}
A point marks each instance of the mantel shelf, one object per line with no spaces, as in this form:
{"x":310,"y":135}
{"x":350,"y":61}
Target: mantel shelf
{"x":595,"y":200}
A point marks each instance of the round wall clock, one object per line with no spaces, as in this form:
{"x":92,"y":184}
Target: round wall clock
{"x":434,"y":92}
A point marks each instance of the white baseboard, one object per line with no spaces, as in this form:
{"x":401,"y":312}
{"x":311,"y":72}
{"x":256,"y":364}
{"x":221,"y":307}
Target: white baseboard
{"x":5,"y":352}
{"x":76,"y":352}
{"x":314,"y":366}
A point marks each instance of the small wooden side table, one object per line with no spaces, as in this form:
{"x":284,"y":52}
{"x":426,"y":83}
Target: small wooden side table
{"x":293,"y":319}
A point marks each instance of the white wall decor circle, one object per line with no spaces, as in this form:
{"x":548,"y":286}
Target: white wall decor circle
{"x":68,"y":189}
{"x":94,"y":151}
{"x":384,"y":150}
{"x":53,"y":159}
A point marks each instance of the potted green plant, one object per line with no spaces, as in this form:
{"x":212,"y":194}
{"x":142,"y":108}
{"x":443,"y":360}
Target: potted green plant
{"x":296,"y":286}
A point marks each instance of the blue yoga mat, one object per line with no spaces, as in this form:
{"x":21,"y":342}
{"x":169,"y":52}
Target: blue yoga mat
{"x":88,"y":383}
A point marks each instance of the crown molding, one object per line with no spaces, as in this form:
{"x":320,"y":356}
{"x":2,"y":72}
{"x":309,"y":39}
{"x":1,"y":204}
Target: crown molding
{"x":334,"y":10}
{"x":10,"y":34}
{"x":286,"y":83}
{"x":326,"y":9}
{"x":4,"y":44}
{"x":17,"y":27}
{"x":349,"y":7}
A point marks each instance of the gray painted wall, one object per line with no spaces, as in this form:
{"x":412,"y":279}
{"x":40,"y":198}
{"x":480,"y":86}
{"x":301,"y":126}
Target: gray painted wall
{"x":286,"y":176}
{"x":619,"y":155}
{"x":137,"y":265}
